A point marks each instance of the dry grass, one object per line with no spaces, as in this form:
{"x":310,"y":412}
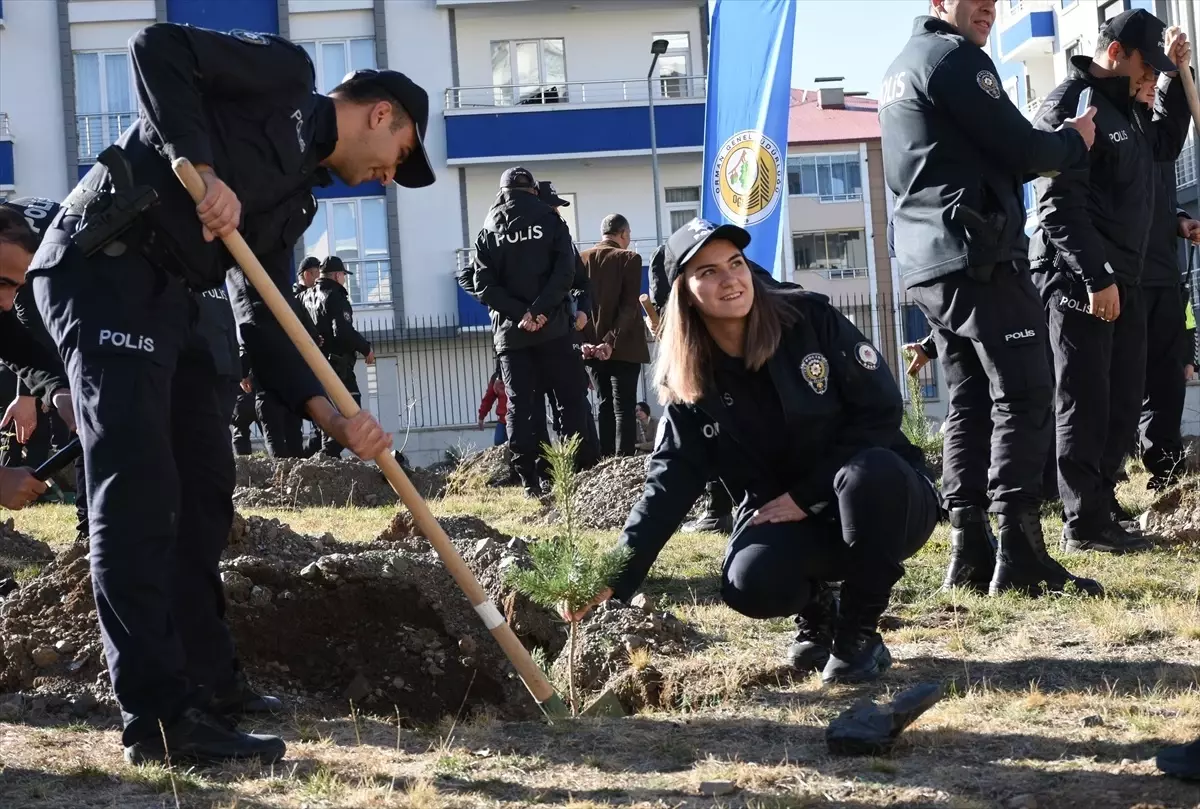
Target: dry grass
{"x":1063,"y":699}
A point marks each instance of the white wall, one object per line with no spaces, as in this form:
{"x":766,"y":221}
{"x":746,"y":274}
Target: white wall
{"x":601,"y":186}
{"x":418,"y":44}
{"x":600,"y":45}
{"x":31,"y":95}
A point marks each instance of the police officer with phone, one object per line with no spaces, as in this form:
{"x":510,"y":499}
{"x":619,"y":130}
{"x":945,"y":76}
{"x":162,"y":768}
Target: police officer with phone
{"x":956,"y":151}
{"x":114,"y":279}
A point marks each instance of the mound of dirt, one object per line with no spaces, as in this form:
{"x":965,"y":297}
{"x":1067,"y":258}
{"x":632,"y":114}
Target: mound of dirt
{"x":613,"y":632}
{"x":1175,"y":514}
{"x":322,"y":481}
{"x":18,"y":551}
{"x":608,"y":492}
{"x":381,"y":624}
{"x":490,"y":468}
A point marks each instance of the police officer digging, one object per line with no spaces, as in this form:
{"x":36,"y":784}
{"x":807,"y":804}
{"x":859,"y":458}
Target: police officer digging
{"x":779,"y":396}
{"x":523,"y":269}
{"x":116,"y":300}
{"x":956,"y":152}
{"x":1088,"y":252}
{"x":328,"y":305}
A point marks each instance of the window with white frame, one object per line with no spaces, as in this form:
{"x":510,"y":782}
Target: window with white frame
{"x":836,"y":254}
{"x":529,"y":71}
{"x":829,"y":177}
{"x":355,"y":230}
{"x":683,"y":205}
{"x":334,"y":58}
{"x":105,"y":100}
{"x":674,"y":66}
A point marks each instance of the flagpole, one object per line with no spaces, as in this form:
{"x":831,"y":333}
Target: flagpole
{"x":657,"y":48}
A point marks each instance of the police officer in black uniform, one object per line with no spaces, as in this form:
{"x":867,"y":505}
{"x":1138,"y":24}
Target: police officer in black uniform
{"x":1088,"y":251}
{"x":329,"y":307}
{"x":115,"y":293}
{"x":799,"y":417}
{"x":956,"y":152}
{"x":523,"y":271}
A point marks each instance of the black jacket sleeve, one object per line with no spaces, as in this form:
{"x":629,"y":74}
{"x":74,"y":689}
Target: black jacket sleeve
{"x":346,"y":339}
{"x":957,"y":87}
{"x":278,"y":366}
{"x":486,"y":286}
{"x":929,"y":346}
{"x":1062,"y":203}
{"x":660,"y":290}
{"x":36,"y":366}
{"x":176,"y":66}
{"x":1168,"y":131}
{"x":562,"y":273}
{"x":676,"y":473}
{"x":870,"y":399}
{"x":581,"y":288}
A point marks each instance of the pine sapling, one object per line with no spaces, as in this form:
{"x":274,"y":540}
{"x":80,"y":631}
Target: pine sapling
{"x":567,"y":570}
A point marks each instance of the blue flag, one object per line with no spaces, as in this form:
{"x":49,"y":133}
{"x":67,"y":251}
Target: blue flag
{"x":746,"y":121}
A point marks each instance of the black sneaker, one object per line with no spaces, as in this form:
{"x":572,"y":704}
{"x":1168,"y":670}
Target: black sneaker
{"x":814,"y":630}
{"x":1181,"y":761}
{"x":859,"y":658}
{"x":239,"y":699}
{"x":709,"y":523}
{"x":202,"y":738}
{"x":1109,"y":539}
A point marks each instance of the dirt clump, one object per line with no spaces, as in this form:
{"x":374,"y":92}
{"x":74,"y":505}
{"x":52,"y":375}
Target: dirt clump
{"x":18,"y":552}
{"x":1174,"y":515}
{"x":607,"y":492}
{"x":323,"y":481}
{"x":615,"y":633}
{"x":490,"y":468}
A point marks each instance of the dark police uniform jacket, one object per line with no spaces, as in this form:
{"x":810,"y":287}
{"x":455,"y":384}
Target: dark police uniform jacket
{"x":1094,"y":221}
{"x":328,"y":304}
{"x":25,"y":345}
{"x":1163,"y":265}
{"x":216,"y":327}
{"x":525,"y":261}
{"x":838,"y":398}
{"x":951,"y":136}
{"x":245,"y":105}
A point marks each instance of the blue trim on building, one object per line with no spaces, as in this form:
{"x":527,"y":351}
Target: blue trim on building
{"x":226,"y":15}
{"x":572,"y":131}
{"x":339,"y":190}
{"x":1034,"y":25}
{"x":7,"y":171}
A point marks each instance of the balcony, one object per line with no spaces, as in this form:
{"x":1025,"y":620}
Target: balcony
{"x":1027,"y":31}
{"x":1032,"y":106}
{"x":7,"y":172}
{"x":495,"y":123}
{"x":96,"y":131}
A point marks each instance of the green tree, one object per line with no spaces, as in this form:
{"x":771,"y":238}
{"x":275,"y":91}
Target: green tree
{"x":567,"y":570}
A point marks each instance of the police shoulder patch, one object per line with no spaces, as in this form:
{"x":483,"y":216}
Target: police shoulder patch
{"x":349,"y":317}
{"x":249,"y":37}
{"x":867,"y":356}
{"x":815,"y":369}
{"x":989,"y":83}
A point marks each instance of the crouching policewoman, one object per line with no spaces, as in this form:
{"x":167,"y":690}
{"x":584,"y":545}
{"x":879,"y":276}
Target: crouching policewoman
{"x":780,"y":397}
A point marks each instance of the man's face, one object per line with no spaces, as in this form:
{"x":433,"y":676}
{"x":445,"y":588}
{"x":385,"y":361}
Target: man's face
{"x":14,"y":261}
{"x":1146,"y":93}
{"x":1129,"y":63}
{"x":972,"y":18}
{"x":309,"y":276}
{"x":375,"y":148}
{"x":340,"y":277}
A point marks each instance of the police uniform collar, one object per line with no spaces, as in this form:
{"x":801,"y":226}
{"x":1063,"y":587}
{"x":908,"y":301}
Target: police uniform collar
{"x":1114,"y":88}
{"x":933,"y":25}
{"x":324,"y":134}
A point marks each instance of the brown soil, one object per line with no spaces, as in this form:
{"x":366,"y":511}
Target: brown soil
{"x":321,"y":481}
{"x":18,"y":551}
{"x":487,"y":468}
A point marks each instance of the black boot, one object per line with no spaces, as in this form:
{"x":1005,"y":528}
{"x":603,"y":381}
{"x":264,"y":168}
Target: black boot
{"x":1181,"y":760}
{"x":814,"y":630}
{"x":1022,"y":562}
{"x":972,"y":549}
{"x":1110,"y":538}
{"x":239,"y":699}
{"x":858,"y":654}
{"x":197,"y":736}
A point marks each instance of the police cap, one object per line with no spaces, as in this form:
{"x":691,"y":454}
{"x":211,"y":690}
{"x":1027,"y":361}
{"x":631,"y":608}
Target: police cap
{"x":415,"y":171}
{"x":1142,"y":30}
{"x":518,"y":177}
{"x":333,"y":264}
{"x":309,"y":263}
{"x":687,"y":241}
{"x":548,"y":195}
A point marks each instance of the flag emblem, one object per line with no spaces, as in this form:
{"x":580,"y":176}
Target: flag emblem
{"x":747,"y":178}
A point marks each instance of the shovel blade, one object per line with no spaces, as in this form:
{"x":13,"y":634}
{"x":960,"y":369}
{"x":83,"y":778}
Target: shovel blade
{"x":555,"y":708}
{"x":605,"y":705}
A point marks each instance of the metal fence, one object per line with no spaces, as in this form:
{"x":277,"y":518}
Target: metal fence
{"x":441,"y":369}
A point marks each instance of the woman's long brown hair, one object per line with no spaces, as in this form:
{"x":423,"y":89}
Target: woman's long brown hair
{"x":683,"y":367}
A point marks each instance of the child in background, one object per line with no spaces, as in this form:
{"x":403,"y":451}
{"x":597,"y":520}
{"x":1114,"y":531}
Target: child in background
{"x":495,"y":395}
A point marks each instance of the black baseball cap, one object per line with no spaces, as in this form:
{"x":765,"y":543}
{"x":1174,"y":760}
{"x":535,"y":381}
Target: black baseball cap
{"x":518,"y":177}
{"x":1142,"y":30}
{"x":309,"y":263}
{"x":416,"y":170}
{"x":333,"y":264}
{"x":548,"y":195}
{"x":687,"y":241}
